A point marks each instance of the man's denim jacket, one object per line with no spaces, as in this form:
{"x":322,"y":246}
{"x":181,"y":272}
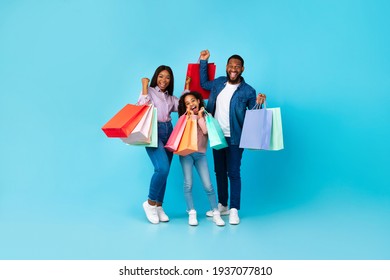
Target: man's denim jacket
{"x":243,"y":98}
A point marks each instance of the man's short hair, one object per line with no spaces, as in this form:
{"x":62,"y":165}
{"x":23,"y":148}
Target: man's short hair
{"x":236,"y":56}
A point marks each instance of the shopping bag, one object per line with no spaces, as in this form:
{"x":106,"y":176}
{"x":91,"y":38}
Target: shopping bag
{"x":123,"y":123}
{"x":141,"y":133}
{"x":189,"y":140}
{"x":276,"y":141}
{"x":193,"y":73}
{"x":153,"y":135}
{"x":256,"y":130}
{"x":174,"y":139}
{"x":216,"y":137}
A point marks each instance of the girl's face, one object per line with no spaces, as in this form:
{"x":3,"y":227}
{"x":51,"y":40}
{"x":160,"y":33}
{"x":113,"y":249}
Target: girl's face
{"x":163,"y":80}
{"x":192,"y":103}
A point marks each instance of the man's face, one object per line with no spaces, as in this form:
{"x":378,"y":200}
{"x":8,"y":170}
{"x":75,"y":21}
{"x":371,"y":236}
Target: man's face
{"x":234,"y":69}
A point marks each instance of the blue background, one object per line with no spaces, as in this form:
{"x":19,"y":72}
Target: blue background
{"x":69,"y":192}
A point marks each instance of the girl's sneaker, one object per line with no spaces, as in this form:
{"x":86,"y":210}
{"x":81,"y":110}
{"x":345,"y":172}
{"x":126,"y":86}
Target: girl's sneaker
{"x":223,"y":210}
{"x":192,"y":221}
{"x":217,"y":218}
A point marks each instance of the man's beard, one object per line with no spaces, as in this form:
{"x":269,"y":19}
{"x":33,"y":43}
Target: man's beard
{"x":236,"y":81}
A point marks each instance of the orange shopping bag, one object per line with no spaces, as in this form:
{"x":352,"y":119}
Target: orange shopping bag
{"x":123,"y":123}
{"x":193,"y":72}
{"x":189,"y":140}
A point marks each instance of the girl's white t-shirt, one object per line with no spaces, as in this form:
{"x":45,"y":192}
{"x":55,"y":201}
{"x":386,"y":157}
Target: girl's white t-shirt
{"x":223,"y":107}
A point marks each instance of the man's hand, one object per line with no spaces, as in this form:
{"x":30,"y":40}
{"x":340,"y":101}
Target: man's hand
{"x":204,"y":55}
{"x":260,"y":98}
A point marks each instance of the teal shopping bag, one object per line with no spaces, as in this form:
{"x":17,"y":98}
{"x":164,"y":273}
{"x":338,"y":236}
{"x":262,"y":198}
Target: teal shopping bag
{"x":276,"y":141}
{"x":214,"y":130}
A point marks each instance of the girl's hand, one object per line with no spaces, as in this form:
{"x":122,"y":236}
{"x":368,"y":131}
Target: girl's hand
{"x":260,"y":98}
{"x":188,"y":81}
{"x":189,"y":112}
{"x":200,"y":113}
{"x":204,"y":55}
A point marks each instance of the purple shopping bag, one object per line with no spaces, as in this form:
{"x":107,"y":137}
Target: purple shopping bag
{"x":256,"y":131}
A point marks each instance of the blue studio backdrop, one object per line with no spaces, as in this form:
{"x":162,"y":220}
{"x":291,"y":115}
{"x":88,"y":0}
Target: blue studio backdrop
{"x":69,"y":192}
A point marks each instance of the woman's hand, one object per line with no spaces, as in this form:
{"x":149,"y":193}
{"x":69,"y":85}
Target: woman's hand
{"x":260,"y":98}
{"x":145,"y":81}
{"x":145,"y":84}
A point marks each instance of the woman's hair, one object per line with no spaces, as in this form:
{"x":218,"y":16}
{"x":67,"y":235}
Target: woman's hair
{"x":182,"y":109}
{"x":159,"y":69}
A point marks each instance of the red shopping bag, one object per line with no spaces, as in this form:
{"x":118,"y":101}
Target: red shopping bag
{"x":174,"y":140}
{"x":193,"y":73}
{"x":123,"y":123}
{"x":189,"y":140}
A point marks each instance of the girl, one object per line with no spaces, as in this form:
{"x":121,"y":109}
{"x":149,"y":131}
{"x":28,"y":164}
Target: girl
{"x":193,"y":104}
{"x":160,"y":94}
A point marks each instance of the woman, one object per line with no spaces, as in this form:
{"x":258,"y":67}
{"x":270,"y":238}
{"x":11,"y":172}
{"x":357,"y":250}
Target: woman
{"x":160,"y":94}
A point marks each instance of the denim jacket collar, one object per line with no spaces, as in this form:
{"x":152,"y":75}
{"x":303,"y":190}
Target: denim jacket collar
{"x":242,"y":82}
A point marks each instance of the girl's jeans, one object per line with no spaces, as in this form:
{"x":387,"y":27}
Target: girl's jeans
{"x":198,"y":160}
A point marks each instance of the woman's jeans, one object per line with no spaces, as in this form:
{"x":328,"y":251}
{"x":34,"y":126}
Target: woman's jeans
{"x":227,"y":164}
{"x":161,"y":159}
{"x":198,"y":160}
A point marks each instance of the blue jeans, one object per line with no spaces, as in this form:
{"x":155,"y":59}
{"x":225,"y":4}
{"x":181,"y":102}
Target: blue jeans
{"x":161,"y":159}
{"x":198,"y":160}
{"x":227,"y":164}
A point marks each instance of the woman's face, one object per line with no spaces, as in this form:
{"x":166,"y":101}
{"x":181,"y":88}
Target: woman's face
{"x":192,"y":103}
{"x":163,"y":80}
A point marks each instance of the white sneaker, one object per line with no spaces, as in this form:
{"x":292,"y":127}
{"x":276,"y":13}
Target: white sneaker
{"x":151,"y":212}
{"x":217,"y":218}
{"x":223,"y":210}
{"x":233,"y":217}
{"x":192,"y":221}
{"x":161,"y":214}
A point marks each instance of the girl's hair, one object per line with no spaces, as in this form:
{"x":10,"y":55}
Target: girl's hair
{"x":182,"y":109}
{"x":159,"y":69}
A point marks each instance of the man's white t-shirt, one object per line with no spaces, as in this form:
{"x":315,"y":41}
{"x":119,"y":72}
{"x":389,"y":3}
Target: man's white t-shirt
{"x":223,"y":107}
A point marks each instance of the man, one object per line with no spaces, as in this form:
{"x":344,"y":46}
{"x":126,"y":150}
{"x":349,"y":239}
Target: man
{"x":229,"y":98}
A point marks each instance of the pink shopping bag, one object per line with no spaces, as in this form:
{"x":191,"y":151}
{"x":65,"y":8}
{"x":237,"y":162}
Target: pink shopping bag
{"x":174,"y":139}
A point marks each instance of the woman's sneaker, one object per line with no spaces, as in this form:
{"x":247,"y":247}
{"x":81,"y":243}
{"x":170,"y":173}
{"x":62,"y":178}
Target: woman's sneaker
{"x":217,"y":218}
{"x":223,"y":210}
{"x":151,"y":212}
{"x":192,"y":221}
{"x":161,"y":214}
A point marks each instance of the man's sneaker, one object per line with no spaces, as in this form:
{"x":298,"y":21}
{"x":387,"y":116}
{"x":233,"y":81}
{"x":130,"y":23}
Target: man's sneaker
{"x":223,"y":210}
{"x":161,"y":214}
{"x":233,"y":217}
{"x":217,"y":218}
{"x":192,"y":221}
{"x":151,"y":212}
